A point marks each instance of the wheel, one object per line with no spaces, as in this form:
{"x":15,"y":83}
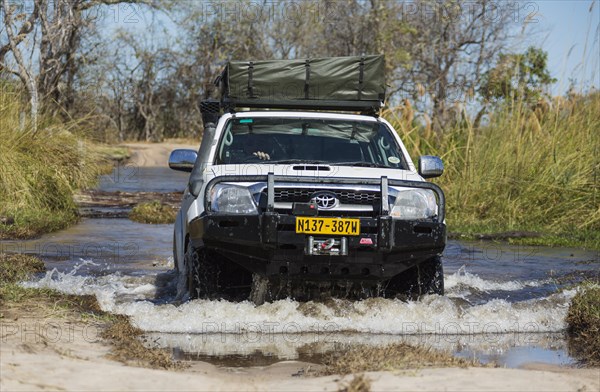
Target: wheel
{"x":202,"y":274}
{"x":211,"y":276}
{"x":431,"y":276}
{"x":176,"y":267}
{"x":424,"y":278}
{"x":182,"y":279}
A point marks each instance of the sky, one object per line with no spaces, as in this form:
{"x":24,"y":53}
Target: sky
{"x":570,"y":33}
{"x":569,"y":30}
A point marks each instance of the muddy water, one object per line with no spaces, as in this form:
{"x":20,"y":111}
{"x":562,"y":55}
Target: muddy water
{"x":129,"y":177}
{"x":504,"y":303}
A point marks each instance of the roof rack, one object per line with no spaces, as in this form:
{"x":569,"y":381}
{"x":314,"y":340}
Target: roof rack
{"x":367,"y":107}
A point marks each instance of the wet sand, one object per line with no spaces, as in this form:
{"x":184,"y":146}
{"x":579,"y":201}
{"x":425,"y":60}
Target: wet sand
{"x":41,"y":353}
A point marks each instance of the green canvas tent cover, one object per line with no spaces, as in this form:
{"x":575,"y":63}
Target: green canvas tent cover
{"x":333,"y":83}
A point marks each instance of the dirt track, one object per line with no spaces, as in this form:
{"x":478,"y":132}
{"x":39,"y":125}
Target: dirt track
{"x":96,"y":203}
{"x":154,"y":154}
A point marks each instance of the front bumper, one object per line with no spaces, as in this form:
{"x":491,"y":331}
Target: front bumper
{"x":268,"y":245}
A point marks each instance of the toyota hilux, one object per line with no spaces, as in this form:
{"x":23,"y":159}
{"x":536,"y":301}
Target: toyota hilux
{"x":305,"y":201}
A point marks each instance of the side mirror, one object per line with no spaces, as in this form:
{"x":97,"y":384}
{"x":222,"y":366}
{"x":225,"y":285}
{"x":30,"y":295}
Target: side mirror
{"x":430,"y":166}
{"x":182,"y":160}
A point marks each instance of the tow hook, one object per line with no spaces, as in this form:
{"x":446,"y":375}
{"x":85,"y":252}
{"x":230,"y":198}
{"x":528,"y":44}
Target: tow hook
{"x":326,"y":246}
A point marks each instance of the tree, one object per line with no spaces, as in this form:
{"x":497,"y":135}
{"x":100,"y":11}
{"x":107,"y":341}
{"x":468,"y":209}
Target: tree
{"x":437,"y":53}
{"x":451,"y":44}
{"x":521,"y":76}
{"x":15,"y":35}
{"x":148,"y":71}
{"x":43,"y":38}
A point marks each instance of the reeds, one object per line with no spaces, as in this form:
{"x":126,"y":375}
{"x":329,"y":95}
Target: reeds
{"x":39,"y":170}
{"x":535,"y":169}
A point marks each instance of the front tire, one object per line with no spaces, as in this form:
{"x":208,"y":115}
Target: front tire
{"x":210,"y":276}
{"x":202,"y":274}
{"x":422,"y":279}
{"x":431,"y":277}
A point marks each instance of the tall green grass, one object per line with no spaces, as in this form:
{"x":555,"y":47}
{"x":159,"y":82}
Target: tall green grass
{"x":39,"y":170}
{"x":523,"y":170}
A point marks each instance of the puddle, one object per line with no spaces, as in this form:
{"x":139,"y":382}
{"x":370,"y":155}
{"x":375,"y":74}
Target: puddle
{"x":504,"y":303}
{"x":131,"y":178}
{"x":109,"y":245}
{"x":510,"y":350}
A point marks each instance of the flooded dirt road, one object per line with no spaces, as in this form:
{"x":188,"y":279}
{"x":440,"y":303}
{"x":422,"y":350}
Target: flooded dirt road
{"x":504,"y":304}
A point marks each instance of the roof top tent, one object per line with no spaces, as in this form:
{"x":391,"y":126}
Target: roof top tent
{"x":354,"y":83}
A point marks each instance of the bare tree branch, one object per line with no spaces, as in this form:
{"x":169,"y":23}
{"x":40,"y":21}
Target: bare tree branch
{"x":83,"y":5}
{"x":25,"y":29}
{"x":24,"y":71}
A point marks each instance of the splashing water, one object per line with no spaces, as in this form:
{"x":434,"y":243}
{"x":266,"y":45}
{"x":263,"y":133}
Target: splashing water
{"x":446,"y":315}
{"x":499,"y":300}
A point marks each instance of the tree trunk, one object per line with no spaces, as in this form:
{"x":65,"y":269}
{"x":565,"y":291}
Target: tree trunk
{"x":24,"y":72}
{"x":34,"y":102}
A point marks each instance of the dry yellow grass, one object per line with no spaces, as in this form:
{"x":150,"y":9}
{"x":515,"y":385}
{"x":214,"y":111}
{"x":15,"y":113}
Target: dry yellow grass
{"x":153,"y":212}
{"x":583,"y":322}
{"x":359,"y":383}
{"x":129,"y":349}
{"x":362,"y":358}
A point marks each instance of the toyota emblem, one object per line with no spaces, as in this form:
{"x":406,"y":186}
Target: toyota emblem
{"x":325,"y":200}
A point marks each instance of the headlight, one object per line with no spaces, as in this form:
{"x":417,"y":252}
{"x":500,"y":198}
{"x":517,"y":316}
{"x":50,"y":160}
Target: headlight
{"x":414,"y":204}
{"x":231,"y":199}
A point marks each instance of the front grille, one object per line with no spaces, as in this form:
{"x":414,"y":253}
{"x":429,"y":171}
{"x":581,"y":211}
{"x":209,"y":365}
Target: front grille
{"x":303,"y":195}
{"x":336,"y":213}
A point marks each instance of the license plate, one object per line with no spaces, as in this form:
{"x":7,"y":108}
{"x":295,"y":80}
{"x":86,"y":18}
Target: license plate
{"x":329,"y":226}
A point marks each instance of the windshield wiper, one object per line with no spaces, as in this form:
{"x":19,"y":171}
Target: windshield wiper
{"x":291,"y":161}
{"x":361,"y":163}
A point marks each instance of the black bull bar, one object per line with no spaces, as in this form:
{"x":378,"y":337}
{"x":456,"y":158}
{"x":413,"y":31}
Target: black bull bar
{"x":383,"y":182}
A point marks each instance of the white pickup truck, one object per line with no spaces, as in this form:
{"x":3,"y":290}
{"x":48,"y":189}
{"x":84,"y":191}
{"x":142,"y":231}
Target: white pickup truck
{"x":303,"y":202}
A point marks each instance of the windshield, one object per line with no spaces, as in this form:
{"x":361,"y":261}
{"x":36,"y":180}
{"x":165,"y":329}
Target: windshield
{"x":309,"y":140}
